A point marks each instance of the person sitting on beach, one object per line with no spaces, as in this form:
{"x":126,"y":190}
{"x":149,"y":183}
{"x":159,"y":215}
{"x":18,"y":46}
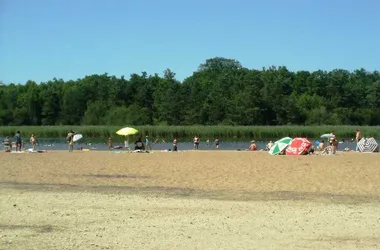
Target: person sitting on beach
{"x":311,"y":150}
{"x":329,"y":150}
{"x":7,"y":144}
{"x":321,"y":145}
{"x":253,"y":146}
{"x":139,"y":145}
{"x":269,"y":145}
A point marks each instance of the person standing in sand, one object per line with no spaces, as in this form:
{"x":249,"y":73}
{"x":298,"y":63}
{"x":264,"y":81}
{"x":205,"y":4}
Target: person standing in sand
{"x":175,"y":144}
{"x":70,"y":140}
{"x":334,"y":141}
{"x":217,"y":142}
{"x":126,"y":142}
{"x":33,"y":141}
{"x":18,"y":141}
{"x":332,"y":146}
{"x":358,"y":137}
{"x":196,"y":142}
{"x":148,"y":143}
{"x":109,"y":143}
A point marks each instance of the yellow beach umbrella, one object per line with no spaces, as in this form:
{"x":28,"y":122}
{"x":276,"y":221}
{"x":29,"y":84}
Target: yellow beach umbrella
{"x":127,"y":131}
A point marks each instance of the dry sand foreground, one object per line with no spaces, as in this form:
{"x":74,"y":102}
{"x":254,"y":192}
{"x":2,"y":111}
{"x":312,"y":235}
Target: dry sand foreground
{"x":189,"y":200}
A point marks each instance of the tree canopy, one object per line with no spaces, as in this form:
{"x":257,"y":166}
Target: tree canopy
{"x":221,"y":91}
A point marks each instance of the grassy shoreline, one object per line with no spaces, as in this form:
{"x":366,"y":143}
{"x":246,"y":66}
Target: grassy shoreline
{"x":231,"y":133}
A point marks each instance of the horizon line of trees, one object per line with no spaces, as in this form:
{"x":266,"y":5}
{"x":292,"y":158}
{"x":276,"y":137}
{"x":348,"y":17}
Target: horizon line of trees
{"x":220,"y":92}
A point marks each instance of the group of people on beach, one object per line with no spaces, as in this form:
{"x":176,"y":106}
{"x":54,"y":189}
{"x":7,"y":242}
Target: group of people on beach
{"x":330,"y":146}
{"x":197,"y":140}
{"x":18,"y":144}
{"x":140,"y":145}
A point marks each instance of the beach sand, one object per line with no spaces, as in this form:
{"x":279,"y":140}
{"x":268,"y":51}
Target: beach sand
{"x":189,"y":200}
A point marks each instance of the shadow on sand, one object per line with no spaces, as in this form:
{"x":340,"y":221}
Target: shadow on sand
{"x":232,"y":195}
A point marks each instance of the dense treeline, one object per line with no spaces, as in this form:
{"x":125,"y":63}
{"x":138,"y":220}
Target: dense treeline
{"x":221,"y":91}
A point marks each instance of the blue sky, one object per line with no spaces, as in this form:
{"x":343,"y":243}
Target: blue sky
{"x":69,"y":39}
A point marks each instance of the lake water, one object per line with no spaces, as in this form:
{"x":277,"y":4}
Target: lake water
{"x":60,"y":144}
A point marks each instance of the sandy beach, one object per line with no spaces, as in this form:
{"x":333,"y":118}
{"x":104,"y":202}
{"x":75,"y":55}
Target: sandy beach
{"x":189,"y":200}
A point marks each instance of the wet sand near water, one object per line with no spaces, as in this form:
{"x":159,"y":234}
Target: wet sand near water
{"x":189,"y":200}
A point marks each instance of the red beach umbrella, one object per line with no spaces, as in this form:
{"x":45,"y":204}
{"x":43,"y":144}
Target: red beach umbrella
{"x":298,"y":146}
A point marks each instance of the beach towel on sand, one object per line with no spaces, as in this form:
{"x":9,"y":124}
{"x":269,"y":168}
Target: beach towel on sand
{"x":140,"y":151}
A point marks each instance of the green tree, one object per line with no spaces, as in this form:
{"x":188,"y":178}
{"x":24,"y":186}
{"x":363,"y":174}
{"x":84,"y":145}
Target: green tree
{"x":95,"y":113}
{"x":221,"y":91}
{"x":50,"y":96}
{"x":73,"y":105}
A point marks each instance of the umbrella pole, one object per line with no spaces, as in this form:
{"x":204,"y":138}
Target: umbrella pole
{"x":127,"y":138}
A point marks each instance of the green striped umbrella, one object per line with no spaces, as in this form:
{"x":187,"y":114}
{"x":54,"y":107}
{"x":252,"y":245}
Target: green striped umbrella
{"x":280,"y":145}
